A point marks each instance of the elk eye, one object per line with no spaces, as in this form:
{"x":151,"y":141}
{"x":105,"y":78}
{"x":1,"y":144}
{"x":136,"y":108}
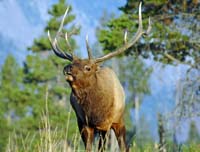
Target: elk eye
{"x":88,"y":68}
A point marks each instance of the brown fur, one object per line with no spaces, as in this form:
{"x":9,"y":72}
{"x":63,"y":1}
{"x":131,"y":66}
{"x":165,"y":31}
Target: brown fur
{"x":98,"y":100}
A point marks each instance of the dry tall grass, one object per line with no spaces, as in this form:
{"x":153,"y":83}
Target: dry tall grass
{"x":50,"y":139}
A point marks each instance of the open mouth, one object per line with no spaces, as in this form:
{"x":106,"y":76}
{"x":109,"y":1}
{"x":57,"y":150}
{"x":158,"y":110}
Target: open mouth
{"x":69,"y":77}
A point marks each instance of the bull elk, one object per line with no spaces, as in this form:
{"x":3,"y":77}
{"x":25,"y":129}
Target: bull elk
{"x":97,"y":96}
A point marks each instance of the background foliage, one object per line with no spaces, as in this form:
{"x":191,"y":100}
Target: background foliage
{"x":35,"y":113}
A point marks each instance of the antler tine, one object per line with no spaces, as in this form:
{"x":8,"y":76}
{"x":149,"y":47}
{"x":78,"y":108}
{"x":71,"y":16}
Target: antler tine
{"x":63,"y":20}
{"x":125,"y":36}
{"x":54,"y":44}
{"x":149,"y":27}
{"x":67,"y":41}
{"x":89,"y":51}
{"x":57,"y":50}
{"x":130,"y":43}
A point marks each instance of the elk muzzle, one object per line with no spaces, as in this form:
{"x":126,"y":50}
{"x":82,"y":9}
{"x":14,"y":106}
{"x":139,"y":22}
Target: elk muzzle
{"x":67,"y":71}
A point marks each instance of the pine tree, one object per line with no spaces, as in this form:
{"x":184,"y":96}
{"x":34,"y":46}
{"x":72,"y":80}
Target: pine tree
{"x":193,"y":135}
{"x":10,"y":79}
{"x":24,"y":91}
{"x":161,"y":133}
{"x":167,"y":42}
{"x":43,"y":70}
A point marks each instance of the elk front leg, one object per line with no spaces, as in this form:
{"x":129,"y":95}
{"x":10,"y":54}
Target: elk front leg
{"x":87,"y":135}
{"x":120,"y":132}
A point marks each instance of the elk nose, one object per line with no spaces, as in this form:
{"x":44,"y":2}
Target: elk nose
{"x":67,"y":70}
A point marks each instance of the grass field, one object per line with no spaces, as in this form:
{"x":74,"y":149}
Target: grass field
{"x":47,"y":139}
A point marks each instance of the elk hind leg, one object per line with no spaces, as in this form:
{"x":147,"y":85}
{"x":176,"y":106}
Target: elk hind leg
{"x":120,"y":132}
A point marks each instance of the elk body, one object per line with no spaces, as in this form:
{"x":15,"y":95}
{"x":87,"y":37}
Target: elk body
{"x":97,"y":96}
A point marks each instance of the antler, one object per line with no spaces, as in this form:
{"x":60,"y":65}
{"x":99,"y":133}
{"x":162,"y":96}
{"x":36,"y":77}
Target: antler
{"x":54,"y":44}
{"x":130,"y":43}
{"x":89,"y":51}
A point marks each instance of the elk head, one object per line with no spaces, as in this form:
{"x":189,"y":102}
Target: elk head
{"x":88,"y":67}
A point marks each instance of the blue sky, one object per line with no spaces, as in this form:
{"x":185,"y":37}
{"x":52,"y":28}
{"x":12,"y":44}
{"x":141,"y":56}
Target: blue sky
{"x":24,"y":20}
{"x":88,"y":15}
